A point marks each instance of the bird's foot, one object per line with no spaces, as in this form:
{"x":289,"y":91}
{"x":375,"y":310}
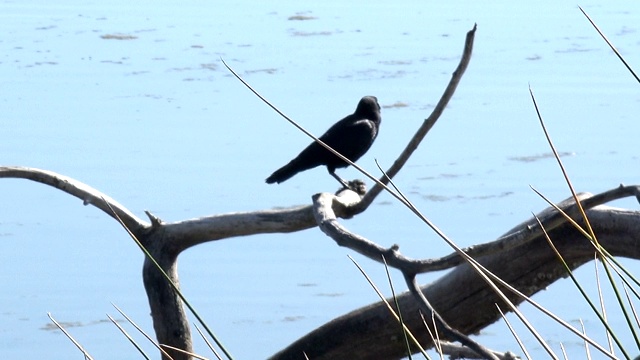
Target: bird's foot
{"x":358,"y":186}
{"x":345,"y":185}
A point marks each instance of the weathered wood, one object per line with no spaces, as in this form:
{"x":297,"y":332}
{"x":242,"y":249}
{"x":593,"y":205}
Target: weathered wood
{"x":459,"y":297}
{"x":462,"y":299}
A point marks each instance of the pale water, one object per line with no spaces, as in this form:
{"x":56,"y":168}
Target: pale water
{"x":131,"y":98}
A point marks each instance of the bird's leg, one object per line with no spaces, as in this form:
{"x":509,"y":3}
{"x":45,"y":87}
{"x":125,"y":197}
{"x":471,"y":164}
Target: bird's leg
{"x":340,"y":180}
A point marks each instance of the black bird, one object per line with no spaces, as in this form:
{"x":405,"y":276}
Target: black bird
{"x":351,"y":137}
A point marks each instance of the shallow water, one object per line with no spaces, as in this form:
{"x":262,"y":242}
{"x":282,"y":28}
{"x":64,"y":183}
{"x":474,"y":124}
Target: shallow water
{"x":131,"y":98}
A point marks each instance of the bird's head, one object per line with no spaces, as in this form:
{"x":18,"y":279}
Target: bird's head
{"x":369,"y":108}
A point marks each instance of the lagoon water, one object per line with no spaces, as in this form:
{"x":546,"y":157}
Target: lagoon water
{"x":132,"y":99}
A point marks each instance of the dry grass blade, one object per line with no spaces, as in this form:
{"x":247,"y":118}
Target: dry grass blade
{"x":606,"y":259}
{"x":434,"y":336}
{"x":604,"y":255}
{"x":298,"y":126}
{"x":213,"y":350}
{"x":484,"y":273}
{"x":413,"y":143}
{"x":621,"y":305}
{"x":568,"y":218}
{"x":414,"y":287}
{"x":603,"y":308}
{"x":586,"y":221}
{"x":564,"y":171}
{"x":395,"y":300}
{"x":584,"y":295}
{"x":564,"y":352}
{"x":610,"y":45}
{"x":352,"y":164}
{"x":514,"y":333}
{"x":173,"y":285}
{"x":375,"y":288}
{"x":131,"y":340}
{"x":633,"y":308}
{"x":77,"y":344}
{"x":184,"y":352}
{"x":164,"y":353}
{"x":625,"y":281}
{"x":586,"y":345}
{"x":437,"y":335}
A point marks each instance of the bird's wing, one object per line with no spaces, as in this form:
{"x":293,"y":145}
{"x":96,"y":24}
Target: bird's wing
{"x":352,"y":139}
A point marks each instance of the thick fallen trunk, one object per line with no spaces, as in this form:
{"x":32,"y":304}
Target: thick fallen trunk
{"x":462,"y":298}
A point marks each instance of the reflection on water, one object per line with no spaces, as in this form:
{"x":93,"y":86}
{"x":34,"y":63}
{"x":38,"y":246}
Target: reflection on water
{"x":131,"y":99}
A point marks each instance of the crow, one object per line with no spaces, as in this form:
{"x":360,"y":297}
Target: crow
{"x":351,"y":137}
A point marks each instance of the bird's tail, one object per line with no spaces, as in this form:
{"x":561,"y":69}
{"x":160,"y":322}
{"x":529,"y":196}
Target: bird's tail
{"x":300,"y":163}
{"x":284,"y":173}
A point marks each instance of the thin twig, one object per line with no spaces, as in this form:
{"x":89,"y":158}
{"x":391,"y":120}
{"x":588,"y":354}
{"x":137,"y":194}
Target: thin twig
{"x":426,"y":125}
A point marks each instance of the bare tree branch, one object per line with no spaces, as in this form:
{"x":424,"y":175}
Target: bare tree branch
{"x":518,"y":236}
{"x":195,"y":231}
{"x":461,"y":352}
{"x":426,"y":125}
{"x":82,"y":191}
{"x":447,"y":331}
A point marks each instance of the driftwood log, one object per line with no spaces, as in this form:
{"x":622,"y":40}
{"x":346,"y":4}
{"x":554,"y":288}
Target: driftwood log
{"x":521,"y":257}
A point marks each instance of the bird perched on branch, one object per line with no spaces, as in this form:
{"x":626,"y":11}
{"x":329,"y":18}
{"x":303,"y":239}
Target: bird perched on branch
{"x":351,"y":137}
